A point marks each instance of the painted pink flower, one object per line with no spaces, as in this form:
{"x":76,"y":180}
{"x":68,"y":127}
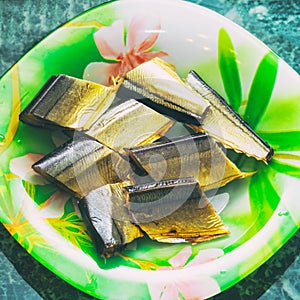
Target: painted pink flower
{"x":54,"y":206}
{"x":141,"y":36}
{"x":199,"y":287}
{"x":21,"y":166}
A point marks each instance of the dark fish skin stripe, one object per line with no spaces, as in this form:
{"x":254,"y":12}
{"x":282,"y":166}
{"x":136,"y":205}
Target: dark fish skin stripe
{"x":69,"y":103}
{"x":186,"y":146}
{"x":46,"y":99}
{"x":53,"y":96}
{"x":80,"y":166}
{"x":201,"y":140}
{"x":70,"y":152}
{"x":162,"y":184}
{"x":233,"y":113}
{"x":176,"y":115}
{"x":157,"y":81}
{"x":154,"y":201}
{"x":105,"y":244}
{"x":108,"y":219}
{"x":224,"y":102}
{"x":37,"y":99}
{"x":130,"y":91}
{"x":136,"y":167}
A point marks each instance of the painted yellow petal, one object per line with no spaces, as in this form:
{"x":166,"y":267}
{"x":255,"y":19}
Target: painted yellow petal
{"x":92,"y":23}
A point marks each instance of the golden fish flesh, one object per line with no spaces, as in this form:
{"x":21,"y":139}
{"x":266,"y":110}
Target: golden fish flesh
{"x":82,"y":165}
{"x":225,"y":125}
{"x":128,"y":125}
{"x":156,"y":84}
{"x":174,"y":211}
{"x":107,"y":219}
{"x":198,"y":156}
{"x":68,"y":102}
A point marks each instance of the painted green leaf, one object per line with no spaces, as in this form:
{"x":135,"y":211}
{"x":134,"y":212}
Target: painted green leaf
{"x":29,"y":188}
{"x":288,"y":141}
{"x":285,"y":168}
{"x":229,"y":69}
{"x":72,"y":228}
{"x":263,"y":198}
{"x":39,"y":193}
{"x":261,"y":89}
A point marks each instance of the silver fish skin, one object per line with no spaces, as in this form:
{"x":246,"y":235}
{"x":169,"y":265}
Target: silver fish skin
{"x":156,"y":84}
{"x":81,"y":165}
{"x":106,"y":216}
{"x":225,"y":125}
{"x":99,"y":223}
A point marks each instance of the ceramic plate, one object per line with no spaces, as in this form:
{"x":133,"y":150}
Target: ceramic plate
{"x":263,"y":211}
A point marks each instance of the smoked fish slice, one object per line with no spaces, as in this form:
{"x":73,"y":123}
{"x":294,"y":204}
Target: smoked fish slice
{"x":174,"y":211}
{"x":129,"y":124}
{"x":82,"y":165}
{"x":69,"y":103}
{"x":225,"y":125}
{"x":106,"y":216}
{"x":156,"y":84}
{"x":198,"y":156}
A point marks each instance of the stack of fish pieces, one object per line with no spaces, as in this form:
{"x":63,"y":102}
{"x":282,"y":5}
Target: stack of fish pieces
{"x":124,"y":178}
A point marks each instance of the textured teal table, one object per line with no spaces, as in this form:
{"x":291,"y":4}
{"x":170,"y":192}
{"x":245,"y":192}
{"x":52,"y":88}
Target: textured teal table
{"x":24,"y":23}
